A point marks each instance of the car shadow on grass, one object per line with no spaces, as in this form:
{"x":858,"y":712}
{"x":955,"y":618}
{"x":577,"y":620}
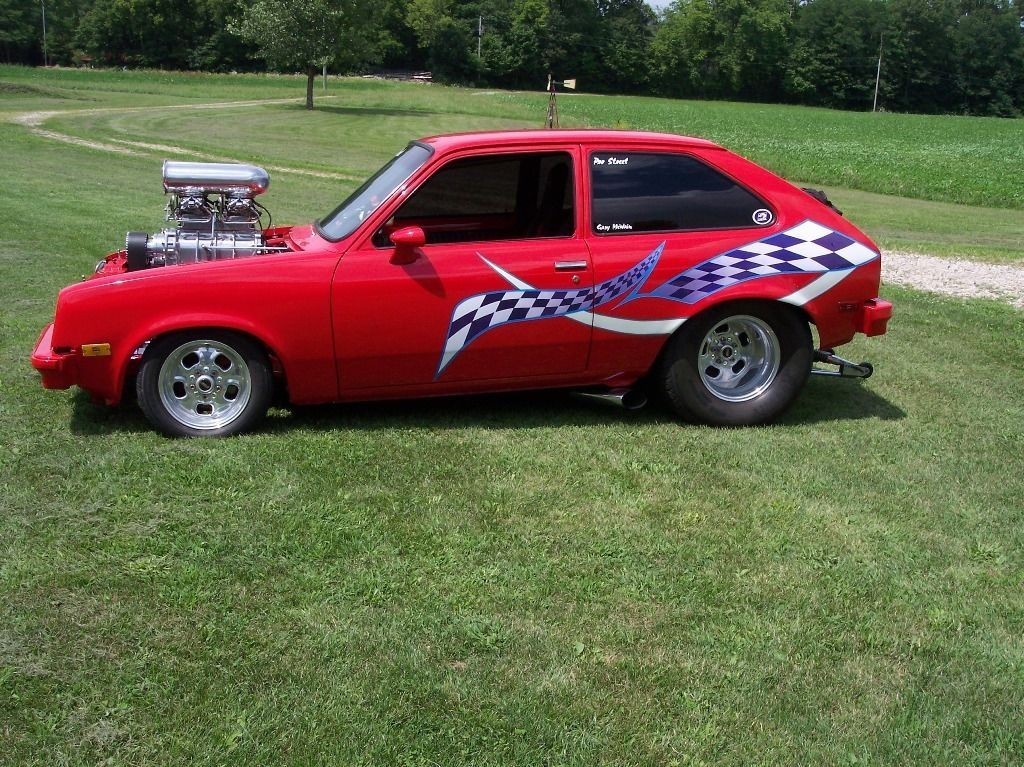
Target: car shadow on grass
{"x":823,"y":401}
{"x":828,"y":399}
{"x":89,"y":418}
{"x":518,"y":410}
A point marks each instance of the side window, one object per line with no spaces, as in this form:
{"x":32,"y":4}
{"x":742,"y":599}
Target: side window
{"x":503,"y":197}
{"x":649,"y":192}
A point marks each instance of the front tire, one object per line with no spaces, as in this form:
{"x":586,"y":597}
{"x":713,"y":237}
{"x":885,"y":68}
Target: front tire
{"x":204,"y":384}
{"x":739,"y":364}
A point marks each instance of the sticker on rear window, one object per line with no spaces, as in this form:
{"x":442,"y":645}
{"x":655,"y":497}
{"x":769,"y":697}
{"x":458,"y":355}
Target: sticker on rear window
{"x":762,"y":216}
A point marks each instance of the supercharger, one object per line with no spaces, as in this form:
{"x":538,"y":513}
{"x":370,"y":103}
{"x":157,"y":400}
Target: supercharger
{"x":215,"y":213}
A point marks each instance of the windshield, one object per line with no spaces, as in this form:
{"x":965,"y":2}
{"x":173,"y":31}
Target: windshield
{"x":367,"y":198}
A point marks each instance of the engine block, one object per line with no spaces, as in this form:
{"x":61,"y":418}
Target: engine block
{"x":215,"y":212}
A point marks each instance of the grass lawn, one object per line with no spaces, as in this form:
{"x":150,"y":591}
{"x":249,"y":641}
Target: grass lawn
{"x":935,"y":228}
{"x":862,"y":159}
{"x":496,"y":580}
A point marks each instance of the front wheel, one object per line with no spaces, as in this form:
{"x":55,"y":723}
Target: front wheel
{"x":211,"y":384}
{"x":739,"y":364}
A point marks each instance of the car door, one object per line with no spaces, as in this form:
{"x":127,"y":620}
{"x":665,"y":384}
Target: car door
{"x":497,"y":291}
{"x":656,"y":213}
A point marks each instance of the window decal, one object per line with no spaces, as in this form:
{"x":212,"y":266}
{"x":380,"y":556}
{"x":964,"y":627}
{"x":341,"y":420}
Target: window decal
{"x":652,"y":191}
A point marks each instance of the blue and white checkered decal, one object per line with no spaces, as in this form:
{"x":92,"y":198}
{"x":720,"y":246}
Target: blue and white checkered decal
{"x":477,"y":314}
{"x":807,"y":247}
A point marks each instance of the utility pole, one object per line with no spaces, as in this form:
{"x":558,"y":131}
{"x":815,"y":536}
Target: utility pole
{"x":325,"y":78}
{"x":479,"y":34}
{"x":878,"y":74}
{"x":43,"y":4}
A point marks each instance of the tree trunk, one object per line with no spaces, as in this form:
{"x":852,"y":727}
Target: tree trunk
{"x":310,"y":80}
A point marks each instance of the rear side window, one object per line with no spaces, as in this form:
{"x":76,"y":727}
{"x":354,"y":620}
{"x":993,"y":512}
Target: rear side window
{"x":500,"y":197}
{"x":652,"y":192}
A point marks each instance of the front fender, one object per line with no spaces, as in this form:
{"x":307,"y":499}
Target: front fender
{"x":283,"y":301}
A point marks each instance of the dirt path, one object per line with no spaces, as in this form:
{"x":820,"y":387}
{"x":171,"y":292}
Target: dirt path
{"x":35,"y":120}
{"x":949,"y":277}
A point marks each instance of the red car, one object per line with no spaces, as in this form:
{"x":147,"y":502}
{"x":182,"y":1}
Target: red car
{"x":604,"y":261}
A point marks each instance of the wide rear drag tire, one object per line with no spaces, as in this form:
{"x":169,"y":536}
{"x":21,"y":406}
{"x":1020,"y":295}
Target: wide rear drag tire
{"x":739,"y":364}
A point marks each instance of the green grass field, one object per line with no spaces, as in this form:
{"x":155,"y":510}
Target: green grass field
{"x":510,"y":580}
{"x":962,"y":178}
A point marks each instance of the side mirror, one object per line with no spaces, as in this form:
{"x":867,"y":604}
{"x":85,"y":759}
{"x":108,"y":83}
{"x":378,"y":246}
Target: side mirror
{"x":407,"y":241}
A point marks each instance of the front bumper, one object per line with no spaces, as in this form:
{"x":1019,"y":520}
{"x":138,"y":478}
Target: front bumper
{"x":57,"y":368}
{"x":874,"y":316}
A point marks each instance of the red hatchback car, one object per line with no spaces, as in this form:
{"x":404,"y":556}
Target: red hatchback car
{"x":587,"y":259}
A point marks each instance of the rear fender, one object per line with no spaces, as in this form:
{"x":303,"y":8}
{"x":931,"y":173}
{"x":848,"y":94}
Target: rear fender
{"x":832,"y":301}
{"x":835,"y":311}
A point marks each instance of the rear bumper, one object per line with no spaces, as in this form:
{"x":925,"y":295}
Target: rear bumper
{"x":57,"y":369}
{"x":874,"y":316}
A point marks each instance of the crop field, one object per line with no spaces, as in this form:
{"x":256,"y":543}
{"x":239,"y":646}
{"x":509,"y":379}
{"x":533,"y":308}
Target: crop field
{"x":510,"y":580}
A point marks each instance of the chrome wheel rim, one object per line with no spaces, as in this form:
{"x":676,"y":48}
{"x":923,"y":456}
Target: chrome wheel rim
{"x":204,"y":384}
{"x":739,"y":358}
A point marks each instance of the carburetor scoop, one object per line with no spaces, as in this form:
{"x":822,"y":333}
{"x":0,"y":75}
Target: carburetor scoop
{"x":233,"y":179}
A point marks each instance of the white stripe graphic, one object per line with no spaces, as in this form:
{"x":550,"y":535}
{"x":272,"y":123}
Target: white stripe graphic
{"x":817,"y":287}
{"x":603,"y":321}
{"x":629,"y":327}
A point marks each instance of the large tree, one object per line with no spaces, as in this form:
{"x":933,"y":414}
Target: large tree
{"x":149,"y":33}
{"x":988,"y":47}
{"x":626,"y":30}
{"x":724,"y":48}
{"x":834,"y":54}
{"x":310,"y":34}
{"x":522,"y":58}
{"x":918,"y":70}
{"x":444,"y":31}
{"x":18,"y":30}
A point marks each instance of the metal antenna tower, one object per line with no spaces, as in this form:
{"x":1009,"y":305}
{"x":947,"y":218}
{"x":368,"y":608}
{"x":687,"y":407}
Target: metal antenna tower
{"x":552,"y":118}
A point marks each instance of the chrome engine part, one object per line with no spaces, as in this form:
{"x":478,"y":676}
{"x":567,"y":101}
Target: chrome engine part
{"x":215,"y":212}
{"x":215,"y":178}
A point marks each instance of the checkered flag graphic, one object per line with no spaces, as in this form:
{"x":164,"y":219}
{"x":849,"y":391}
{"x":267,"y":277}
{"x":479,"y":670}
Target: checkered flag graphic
{"x":477,"y":314}
{"x":630,"y":280}
{"x":806,"y":248}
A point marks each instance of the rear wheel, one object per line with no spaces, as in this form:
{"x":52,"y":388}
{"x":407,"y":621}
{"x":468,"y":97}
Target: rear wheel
{"x":204,"y":385}
{"x":739,"y":364}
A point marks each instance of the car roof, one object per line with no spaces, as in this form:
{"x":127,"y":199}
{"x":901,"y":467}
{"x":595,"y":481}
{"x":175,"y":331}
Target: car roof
{"x":609,"y":139}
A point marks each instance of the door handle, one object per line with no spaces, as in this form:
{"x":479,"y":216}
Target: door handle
{"x":570,"y":266}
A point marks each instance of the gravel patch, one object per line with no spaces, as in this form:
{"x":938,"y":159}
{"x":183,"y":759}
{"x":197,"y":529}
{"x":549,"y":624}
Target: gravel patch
{"x":955,"y":277}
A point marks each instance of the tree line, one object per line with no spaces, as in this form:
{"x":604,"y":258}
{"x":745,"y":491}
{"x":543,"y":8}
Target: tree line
{"x":951,"y":56}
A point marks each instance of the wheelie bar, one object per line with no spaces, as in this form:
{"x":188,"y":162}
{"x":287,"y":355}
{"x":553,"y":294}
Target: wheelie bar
{"x":847,"y":369}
